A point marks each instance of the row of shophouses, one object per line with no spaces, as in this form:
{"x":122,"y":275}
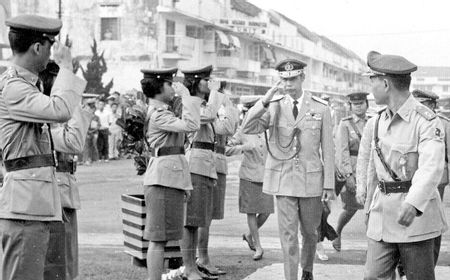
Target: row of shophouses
{"x":242,"y":41}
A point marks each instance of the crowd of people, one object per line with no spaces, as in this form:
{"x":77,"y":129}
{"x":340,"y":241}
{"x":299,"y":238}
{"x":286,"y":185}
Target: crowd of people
{"x":392,"y":164}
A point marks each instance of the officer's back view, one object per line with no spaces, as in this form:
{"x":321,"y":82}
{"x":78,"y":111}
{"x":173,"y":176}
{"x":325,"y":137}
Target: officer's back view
{"x":29,"y":198}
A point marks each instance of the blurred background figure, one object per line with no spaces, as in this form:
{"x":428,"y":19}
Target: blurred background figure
{"x":90,"y":153}
{"x":105,"y":120}
{"x":115,"y":136}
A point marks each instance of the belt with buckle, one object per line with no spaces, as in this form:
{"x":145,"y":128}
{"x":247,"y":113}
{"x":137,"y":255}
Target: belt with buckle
{"x":220,"y":150}
{"x":66,"y":166}
{"x":28,"y":162}
{"x":203,"y":145}
{"x":394,"y":187}
{"x":166,"y":151}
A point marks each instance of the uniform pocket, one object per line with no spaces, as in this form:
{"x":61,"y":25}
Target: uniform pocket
{"x":314,"y":177}
{"x":32,"y":192}
{"x":430,"y":221}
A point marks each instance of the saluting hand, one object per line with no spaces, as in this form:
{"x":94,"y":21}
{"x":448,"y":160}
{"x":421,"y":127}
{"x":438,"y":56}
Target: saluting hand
{"x":360,"y":198}
{"x":180,"y":89}
{"x":62,"y":55}
{"x":214,"y":84}
{"x":271,"y":92}
{"x":407,"y":214}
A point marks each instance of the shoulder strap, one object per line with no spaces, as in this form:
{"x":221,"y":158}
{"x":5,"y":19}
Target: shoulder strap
{"x":355,"y":128}
{"x":380,"y":154}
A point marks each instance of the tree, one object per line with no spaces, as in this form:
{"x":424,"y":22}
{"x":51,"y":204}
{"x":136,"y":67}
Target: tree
{"x":94,"y":72}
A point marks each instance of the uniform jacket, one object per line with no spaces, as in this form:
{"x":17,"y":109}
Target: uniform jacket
{"x":254,"y":151}
{"x":347,"y":141}
{"x":166,"y":130}
{"x":412,"y":142}
{"x":313,"y":170}
{"x":231,"y":115}
{"x":69,"y":139}
{"x":201,"y":161}
{"x":446,"y":174}
{"x":32,"y":194}
{"x":365,"y":167}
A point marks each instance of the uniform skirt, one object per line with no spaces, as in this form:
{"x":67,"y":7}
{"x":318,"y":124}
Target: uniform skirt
{"x":219,"y":197}
{"x":165,"y":210}
{"x":349,"y":200}
{"x":199,"y":207}
{"x":252,"y":200}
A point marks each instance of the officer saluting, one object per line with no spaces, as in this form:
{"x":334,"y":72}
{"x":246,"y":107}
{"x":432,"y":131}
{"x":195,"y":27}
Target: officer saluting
{"x":348,"y":137}
{"x":30,"y":197}
{"x":407,"y":153}
{"x":300,"y":165}
{"x":167,"y":180}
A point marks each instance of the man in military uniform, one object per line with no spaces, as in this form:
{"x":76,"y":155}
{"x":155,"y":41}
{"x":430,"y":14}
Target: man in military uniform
{"x":202,"y":166}
{"x":407,"y":153}
{"x":429,"y":99}
{"x":300,"y":165}
{"x":30,"y":198}
{"x":348,"y":136}
{"x":167,"y":182}
{"x":69,"y":139}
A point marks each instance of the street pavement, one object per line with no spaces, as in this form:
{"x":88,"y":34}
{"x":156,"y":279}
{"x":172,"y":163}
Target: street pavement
{"x":101,"y":186}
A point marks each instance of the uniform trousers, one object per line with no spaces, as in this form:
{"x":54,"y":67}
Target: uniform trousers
{"x":23,"y":247}
{"x":292,"y":211}
{"x":416,"y":257}
{"x":102,"y":143}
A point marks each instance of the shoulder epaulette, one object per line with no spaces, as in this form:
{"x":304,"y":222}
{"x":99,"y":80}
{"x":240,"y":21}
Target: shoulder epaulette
{"x":159,"y":109}
{"x":425,"y":112}
{"x":443,"y":117}
{"x":347,"y":118}
{"x":320,"y":100}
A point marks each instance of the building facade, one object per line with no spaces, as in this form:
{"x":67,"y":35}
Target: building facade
{"x":432,"y":78}
{"x":241,"y":41}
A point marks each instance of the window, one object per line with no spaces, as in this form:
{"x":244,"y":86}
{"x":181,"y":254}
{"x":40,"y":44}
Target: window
{"x":253,"y":52}
{"x":445,"y":88}
{"x":110,"y":29}
{"x":170,"y":36}
{"x":195,"y":32}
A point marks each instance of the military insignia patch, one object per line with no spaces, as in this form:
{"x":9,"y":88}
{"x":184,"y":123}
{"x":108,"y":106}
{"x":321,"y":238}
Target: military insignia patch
{"x":437,"y":132}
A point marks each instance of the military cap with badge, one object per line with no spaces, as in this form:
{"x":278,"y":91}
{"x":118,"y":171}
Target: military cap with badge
{"x":422,"y":95}
{"x":388,"y":65}
{"x":36,"y":26}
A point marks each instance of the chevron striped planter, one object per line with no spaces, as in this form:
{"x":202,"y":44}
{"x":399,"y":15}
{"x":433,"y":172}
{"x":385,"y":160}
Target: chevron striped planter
{"x":133,"y":221}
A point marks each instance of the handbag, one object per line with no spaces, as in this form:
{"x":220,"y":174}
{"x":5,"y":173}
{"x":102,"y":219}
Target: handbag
{"x":339,"y":181}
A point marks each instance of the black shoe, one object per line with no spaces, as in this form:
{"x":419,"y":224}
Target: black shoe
{"x":307,"y":275}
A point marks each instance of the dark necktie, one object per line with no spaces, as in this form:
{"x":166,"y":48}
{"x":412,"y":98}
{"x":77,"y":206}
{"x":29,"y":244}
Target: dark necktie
{"x":295,"y":109}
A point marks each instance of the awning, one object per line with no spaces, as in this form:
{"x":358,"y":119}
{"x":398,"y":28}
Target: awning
{"x":269,"y":54}
{"x":235,"y":41}
{"x":223,"y":38}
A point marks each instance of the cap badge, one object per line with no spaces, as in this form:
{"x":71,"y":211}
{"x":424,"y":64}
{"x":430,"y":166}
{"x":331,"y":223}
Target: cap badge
{"x":288,"y":67}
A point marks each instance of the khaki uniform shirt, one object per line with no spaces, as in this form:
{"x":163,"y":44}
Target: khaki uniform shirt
{"x":445,"y":175}
{"x":166,"y":130}
{"x":202,"y":161}
{"x":347,"y":143}
{"x":231,"y":115}
{"x":254,"y":149}
{"x":312,"y":170}
{"x":69,"y":139}
{"x":412,"y":142}
{"x":32,"y":194}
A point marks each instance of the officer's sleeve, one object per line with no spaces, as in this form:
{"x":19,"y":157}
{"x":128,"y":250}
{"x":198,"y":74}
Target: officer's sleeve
{"x":208,"y":113}
{"x":227,"y":124}
{"x":327,"y":146}
{"x":257,"y":119}
{"x":190,"y":121}
{"x":431,"y":161}
{"x":26,"y":103}
{"x":234,"y":144}
{"x":71,"y":137}
{"x":343,"y":161}
{"x":362,"y":164}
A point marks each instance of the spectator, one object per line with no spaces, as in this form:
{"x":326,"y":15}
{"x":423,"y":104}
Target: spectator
{"x":90,"y":152}
{"x":106,"y":120}
{"x":115,"y":133}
